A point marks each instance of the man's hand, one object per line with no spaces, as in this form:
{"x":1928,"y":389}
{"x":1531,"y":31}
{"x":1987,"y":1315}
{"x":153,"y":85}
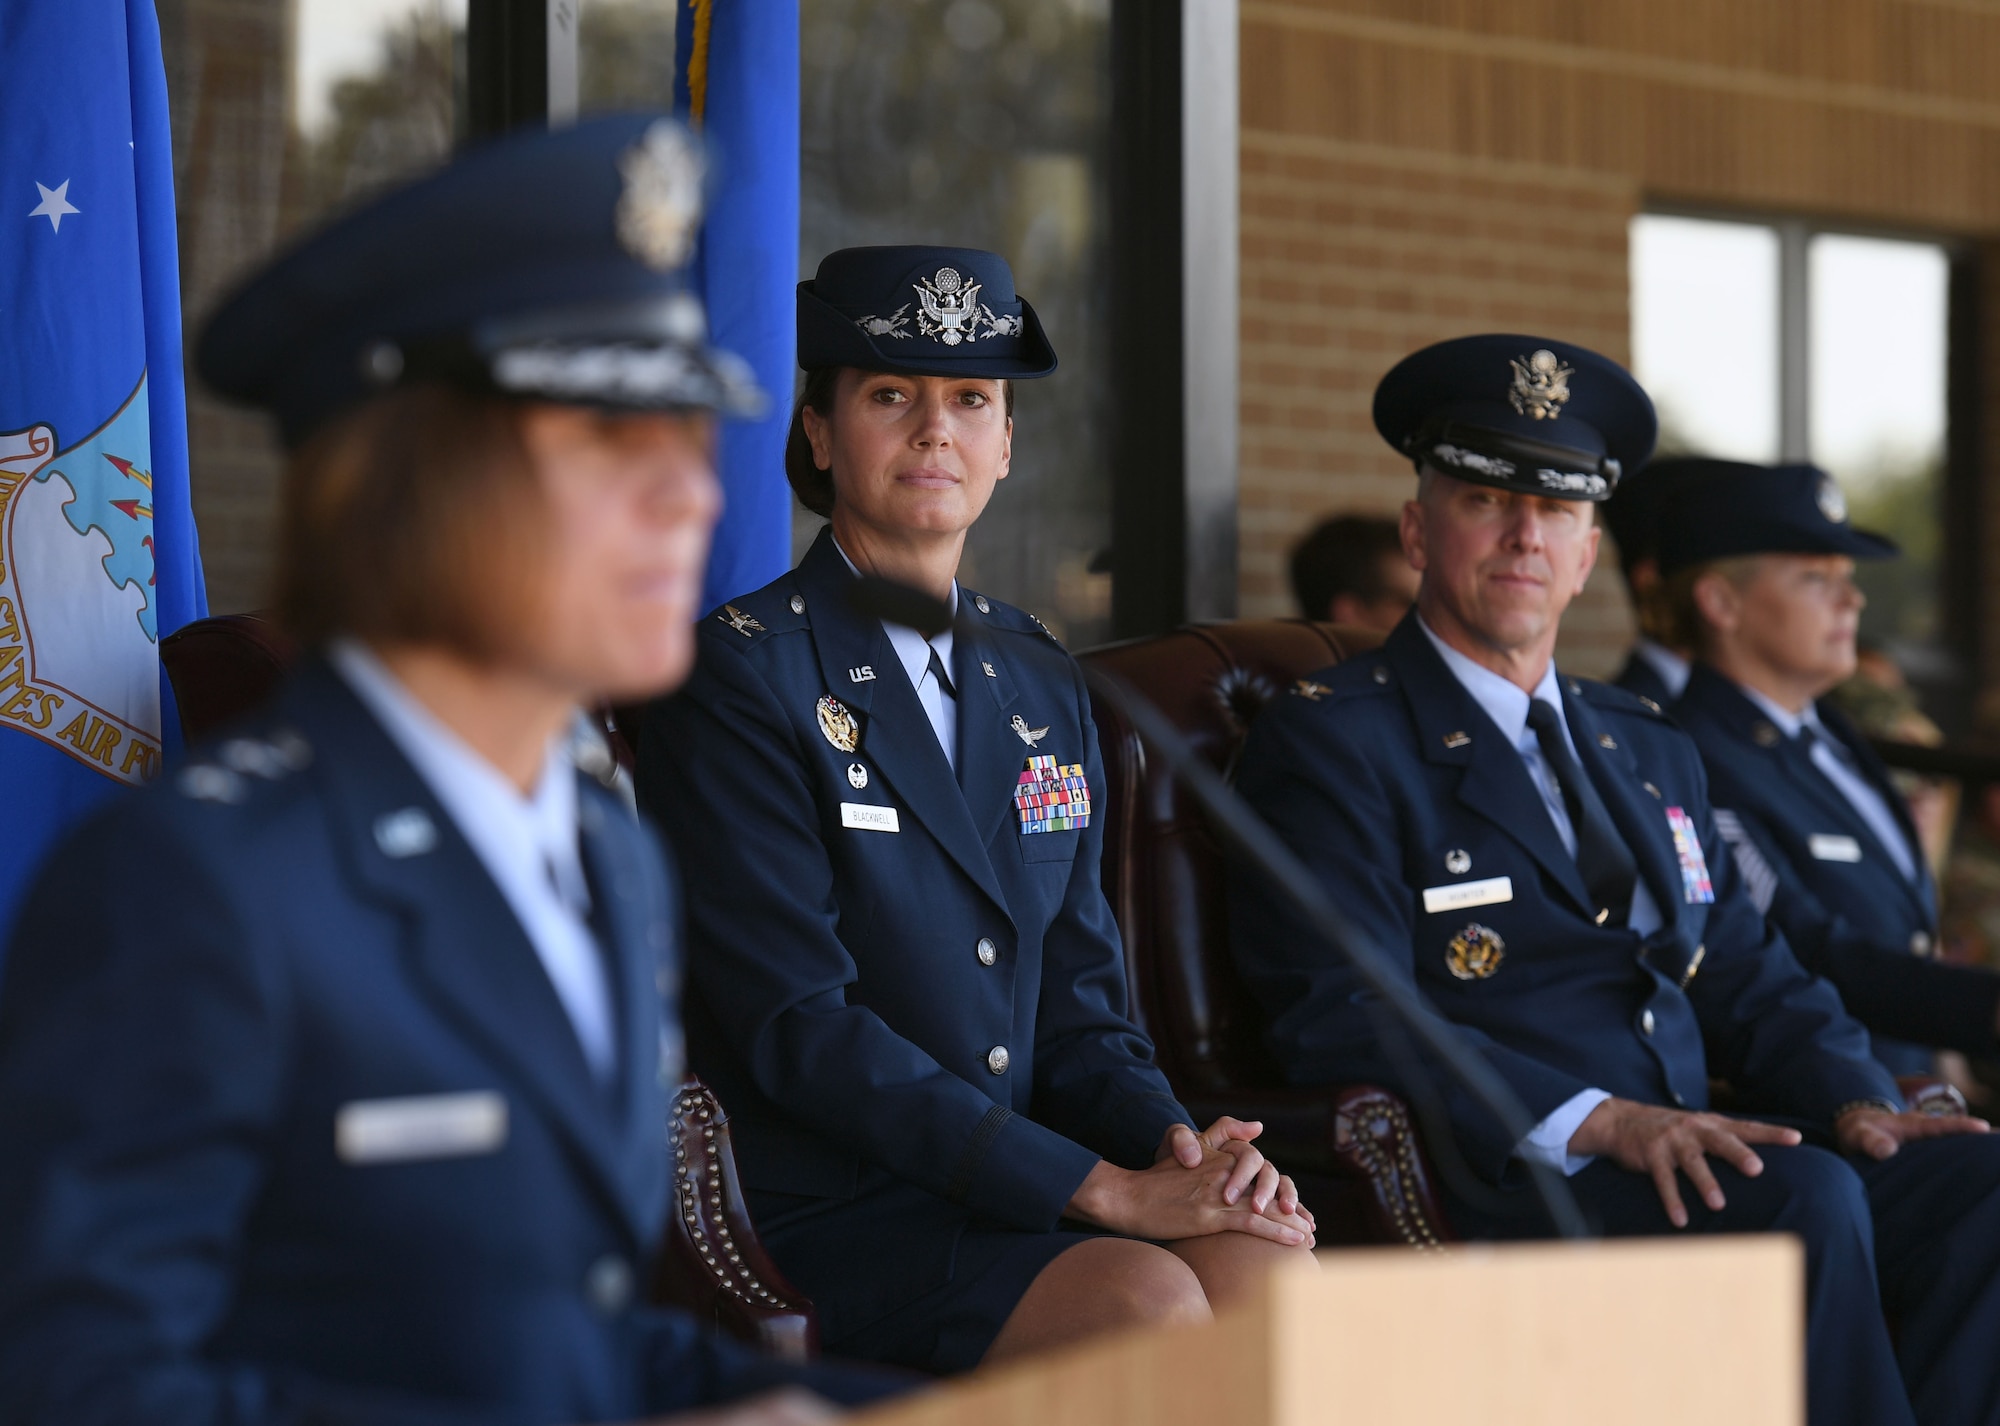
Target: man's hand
{"x":1875,"y":1133}
{"x":1651,"y":1140}
{"x":1178,"y":1199}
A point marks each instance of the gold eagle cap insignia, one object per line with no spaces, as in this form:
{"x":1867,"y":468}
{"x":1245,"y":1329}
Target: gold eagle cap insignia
{"x":1541,"y":385}
{"x":1475,"y":953}
{"x":742,"y":623}
{"x":1030,"y":736}
{"x":838,"y":724}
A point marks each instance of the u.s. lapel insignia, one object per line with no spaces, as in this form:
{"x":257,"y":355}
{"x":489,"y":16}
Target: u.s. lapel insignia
{"x":1541,"y":385}
{"x":1695,"y":885}
{"x":838,"y":724}
{"x":742,"y":623}
{"x":1475,"y":953}
{"x":1312,"y":692}
{"x":1030,"y":736}
{"x":1051,"y":797}
{"x":864,"y":674}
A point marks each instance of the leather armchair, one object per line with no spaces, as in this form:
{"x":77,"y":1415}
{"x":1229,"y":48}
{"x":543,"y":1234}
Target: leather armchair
{"x":1355,"y":1148}
{"x":712,"y":1263}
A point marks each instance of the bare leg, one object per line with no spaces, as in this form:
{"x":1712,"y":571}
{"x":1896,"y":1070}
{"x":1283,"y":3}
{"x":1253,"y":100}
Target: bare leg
{"x":1100,"y":1286}
{"x":1230,"y":1265}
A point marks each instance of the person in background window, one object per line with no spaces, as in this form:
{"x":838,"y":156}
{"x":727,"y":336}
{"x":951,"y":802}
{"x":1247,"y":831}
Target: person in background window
{"x":1351,"y":570}
{"x":1826,"y":845}
{"x":1657,"y":668}
{"x":907,"y":984}
{"x":335,"y":1067}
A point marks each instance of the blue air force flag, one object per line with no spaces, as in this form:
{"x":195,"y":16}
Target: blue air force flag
{"x":737,"y":83}
{"x":97,"y":547}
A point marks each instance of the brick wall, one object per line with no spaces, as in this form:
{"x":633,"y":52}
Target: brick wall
{"x":1354,"y":256}
{"x":1418,"y":169}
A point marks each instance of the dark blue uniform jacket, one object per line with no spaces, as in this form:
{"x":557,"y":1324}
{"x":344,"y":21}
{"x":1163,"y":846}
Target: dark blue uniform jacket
{"x":207,"y":974}
{"x":839,"y":1001}
{"x":1390,"y":780}
{"x":1862,"y":924}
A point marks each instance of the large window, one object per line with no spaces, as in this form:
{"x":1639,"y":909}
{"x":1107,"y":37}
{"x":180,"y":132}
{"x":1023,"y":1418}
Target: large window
{"x":1770,"y":341}
{"x":985,"y":123}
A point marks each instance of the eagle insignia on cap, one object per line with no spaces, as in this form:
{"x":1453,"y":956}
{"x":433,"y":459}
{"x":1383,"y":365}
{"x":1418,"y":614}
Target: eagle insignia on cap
{"x":661,"y":204}
{"x":1832,"y":503}
{"x":950,"y":307}
{"x":1541,"y":385}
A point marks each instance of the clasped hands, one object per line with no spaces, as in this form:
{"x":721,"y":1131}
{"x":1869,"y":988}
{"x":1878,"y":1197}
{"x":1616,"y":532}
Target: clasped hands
{"x":1215,"y":1181}
{"x":1649,"y":1139}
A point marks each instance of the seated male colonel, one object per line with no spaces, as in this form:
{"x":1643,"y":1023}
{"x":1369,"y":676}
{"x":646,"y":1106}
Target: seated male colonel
{"x":1539,"y":854}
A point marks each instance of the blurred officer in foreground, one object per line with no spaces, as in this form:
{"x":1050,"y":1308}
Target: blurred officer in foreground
{"x":1657,"y":667}
{"x":334,"y":1069}
{"x":1351,"y":570}
{"x":1541,"y":853}
{"x":1825,"y":842}
{"x":906,"y":983}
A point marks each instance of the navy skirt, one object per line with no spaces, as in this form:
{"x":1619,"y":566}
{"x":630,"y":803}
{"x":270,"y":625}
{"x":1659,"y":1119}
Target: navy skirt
{"x":901,"y":1276}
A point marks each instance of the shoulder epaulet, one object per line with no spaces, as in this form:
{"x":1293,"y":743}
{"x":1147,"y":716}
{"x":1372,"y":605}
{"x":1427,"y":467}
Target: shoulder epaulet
{"x":1610,"y":695}
{"x":773,"y":609}
{"x":232,"y":770}
{"x":1006,"y":616}
{"x":1364,"y":674}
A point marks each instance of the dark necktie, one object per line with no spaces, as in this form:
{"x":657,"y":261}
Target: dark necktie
{"x":1609,"y":873}
{"x":938,"y":673}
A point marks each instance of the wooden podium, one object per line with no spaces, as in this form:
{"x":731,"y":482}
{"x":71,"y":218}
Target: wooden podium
{"x":1708,"y":1330}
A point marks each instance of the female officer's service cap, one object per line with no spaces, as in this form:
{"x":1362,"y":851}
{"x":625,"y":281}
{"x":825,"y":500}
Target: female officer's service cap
{"x":549,"y":265}
{"x":1521,"y":413}
{"x":1718,"y":509}
{"x":920,"y":311}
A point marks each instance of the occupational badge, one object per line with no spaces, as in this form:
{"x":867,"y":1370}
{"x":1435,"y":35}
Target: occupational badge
{"x":838,"y":724}
{"x":1051,"y":796}
{"x":1458,"y":861}
{"x":1030,"y":736}
{"x":660,"y":206}
{"x":1695,"y":885}
{"x":742,"y":623}
{"x":1475,"y":953}
{"x":1541,"y":385}
{"x":857,"y":776}
{"x":1832,"y":503}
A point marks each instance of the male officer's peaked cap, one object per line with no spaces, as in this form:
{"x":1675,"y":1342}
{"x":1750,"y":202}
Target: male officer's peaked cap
{"x":549,"y":264}
{"x":1526,"y":414}
{"x":1719,"y":509}
{"x":920,"y":311}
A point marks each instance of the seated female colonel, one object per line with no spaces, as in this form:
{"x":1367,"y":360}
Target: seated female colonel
{"x":906,"y":983}
{"x":334,"y":1068}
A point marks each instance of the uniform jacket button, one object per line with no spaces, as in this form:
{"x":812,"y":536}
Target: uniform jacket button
{"x":1920,"y":943}
{"x":997,"y":1059}
{"x":1646,"y":1021}
{"x":608,"y":1285}
{"x":988,"y":952}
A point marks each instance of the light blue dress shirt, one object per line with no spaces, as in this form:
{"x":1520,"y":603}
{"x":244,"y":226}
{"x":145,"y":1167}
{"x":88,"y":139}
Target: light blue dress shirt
{"x":913,"y":651}
{"x":528,"y":845}
{"x":1830,"y":756}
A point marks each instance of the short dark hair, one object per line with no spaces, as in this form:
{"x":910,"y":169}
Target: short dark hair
{"x":1343,"y":555}
{"x":411,"y":518}
{"x":814,"y":486}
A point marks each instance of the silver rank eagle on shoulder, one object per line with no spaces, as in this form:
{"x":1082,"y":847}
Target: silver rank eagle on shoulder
{"x":742,"y":623}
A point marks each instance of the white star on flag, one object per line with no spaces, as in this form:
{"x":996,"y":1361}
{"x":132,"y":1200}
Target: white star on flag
{"x":55,"y":205}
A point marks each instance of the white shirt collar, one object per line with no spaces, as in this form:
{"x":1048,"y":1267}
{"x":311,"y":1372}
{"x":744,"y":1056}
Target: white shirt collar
{"x":913,"y":650}
{"x":1503,"y":701}
{"x":507,"y":829}
{"x":1788,"y":722}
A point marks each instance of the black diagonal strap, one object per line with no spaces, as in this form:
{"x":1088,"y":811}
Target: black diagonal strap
{"x":1609,"y":873}
{"x":938,"y":672}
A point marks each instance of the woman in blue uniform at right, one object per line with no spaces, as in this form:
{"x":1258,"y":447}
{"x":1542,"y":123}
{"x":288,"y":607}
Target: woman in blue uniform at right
{"x":905,"y":982}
